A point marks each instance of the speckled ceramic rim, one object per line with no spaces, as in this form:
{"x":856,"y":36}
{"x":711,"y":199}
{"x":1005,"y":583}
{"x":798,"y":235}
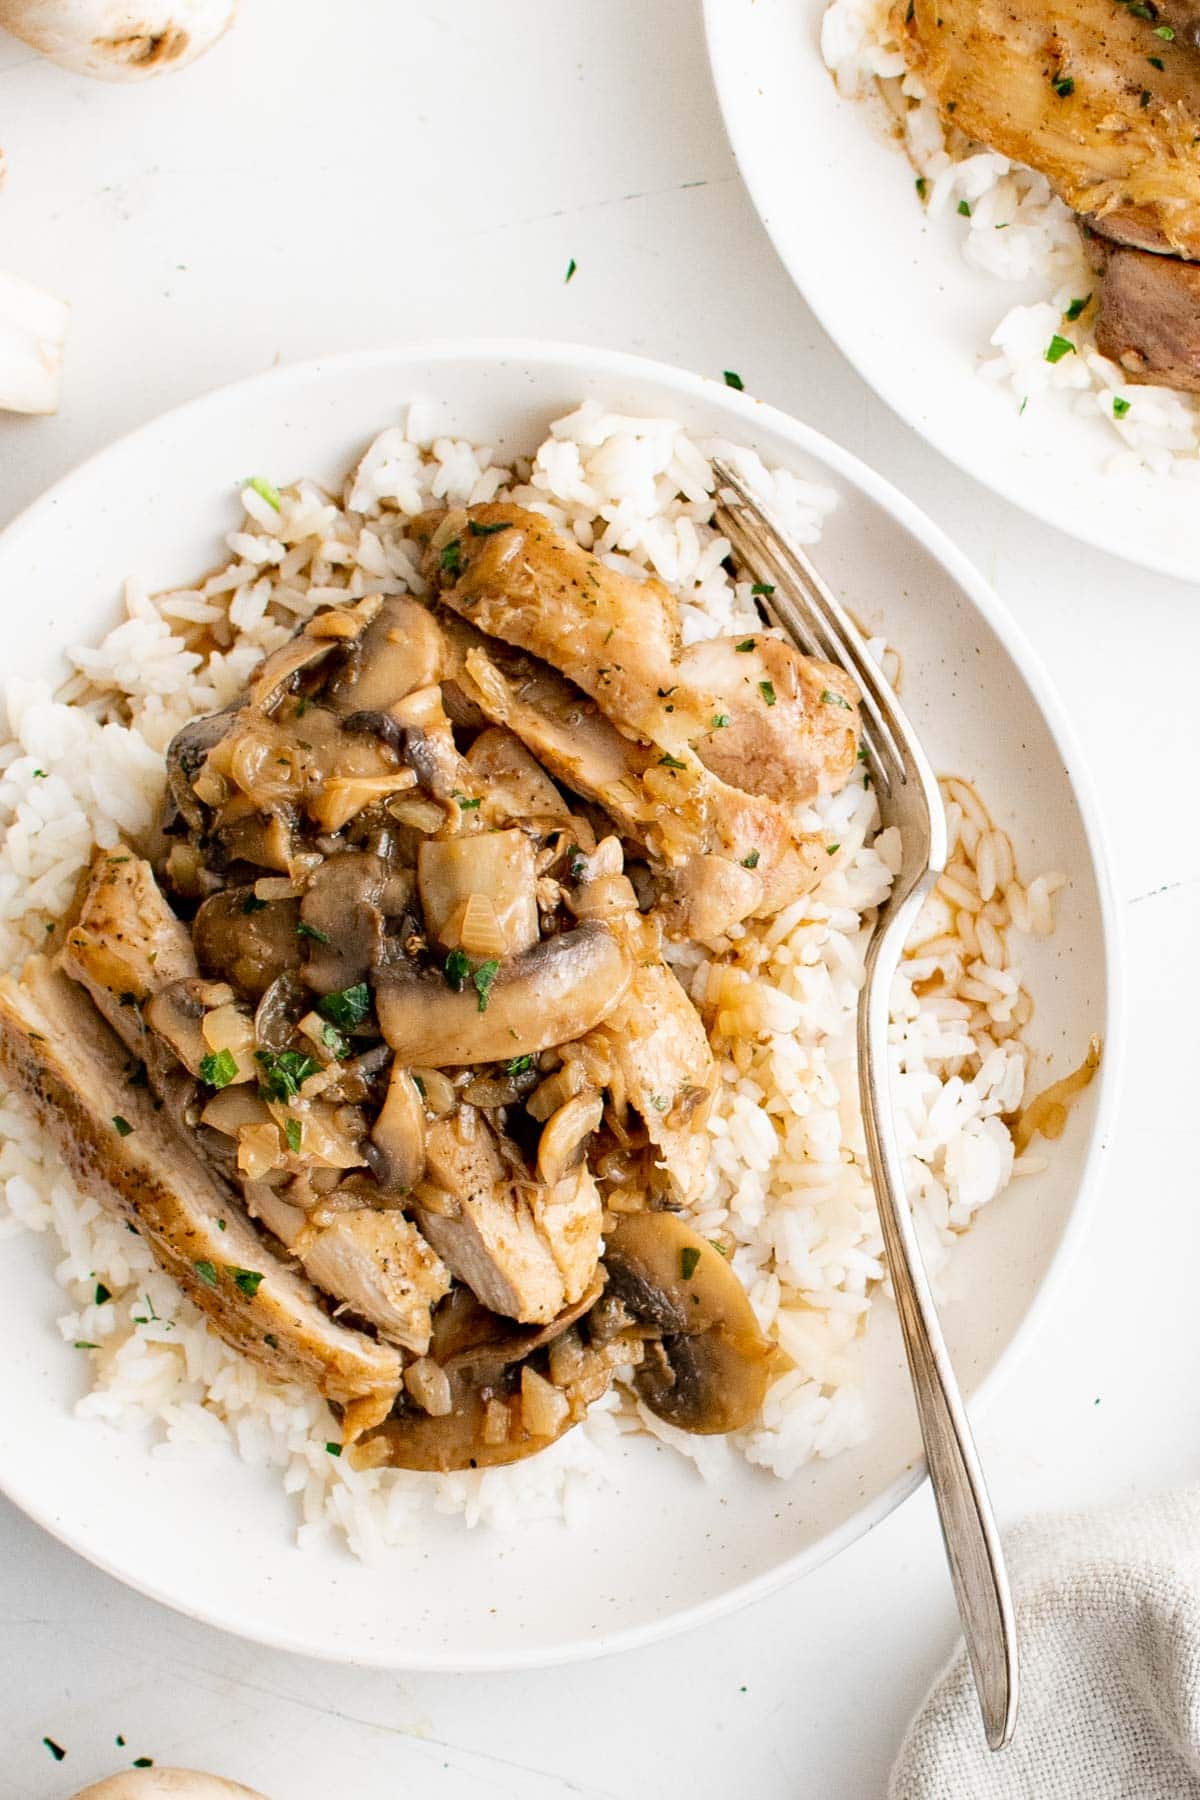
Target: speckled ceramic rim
{"x":268,"y":390}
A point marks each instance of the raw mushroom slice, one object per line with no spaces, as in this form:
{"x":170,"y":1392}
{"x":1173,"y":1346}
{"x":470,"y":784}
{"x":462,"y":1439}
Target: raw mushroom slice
{"x":167,"y":1784}
{"x":709,"y":1371}
{"x":119,"y":40}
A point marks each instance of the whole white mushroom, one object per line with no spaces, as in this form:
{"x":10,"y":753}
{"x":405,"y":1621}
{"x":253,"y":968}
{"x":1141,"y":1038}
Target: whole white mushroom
{"x":167,"y":1784}
{"x":119,"y":40}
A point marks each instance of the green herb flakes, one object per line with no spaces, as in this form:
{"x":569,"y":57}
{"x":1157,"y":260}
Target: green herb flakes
{"x":571,"y":268}
{"x":102,"y":1294}
{"x":751,"y":861}
{"x":832,"y":849}
{"x":922,"y":186}
{"x":1144,"y":97}
{"x":334,"y":1449}
{"x":1120,"y":407}
{"x":347,"y":1007}
{"x":458,"y":967}
{"x":483,"y":978}
{"x":271,"y":1341}
{"x":247,"y":1281}
{"x":517,"y":1065}
{"x":1075,"y":309}
{"x":767,"y":690}
{"x":667,"y":761}
{"x":466,"y":805}
{"x":39,"y":775}
{"x":1064,"y":87}
{"x":720,"y":721}
{"x":265,"y":491}
{"x":689,"y":1257}
{"x":450,"y":560}
{"x":121,"y":1126}
{"x":829,"y":698}
{"x":764,"y":589}
{"x":478,"y":529}
{"x":293,"y":1131}
{"x":56,"y":1750}
{"x":1156,"y":62}
{"x":284,"y":1072}
{"x":745,"y":645}
{"x":143,"y":1762}
{"x":84,"y":1344}
{"x":964,"y":207}
{"x":206,"y":1272}
{"x":219,"y":1069}
{"x":334,"y":1042}
{"x":1164,"y":32}
{"x":1058,"y":347}
{"x":734,"y":380}
{"x":310,"y":931}
{"x":252,"y":904}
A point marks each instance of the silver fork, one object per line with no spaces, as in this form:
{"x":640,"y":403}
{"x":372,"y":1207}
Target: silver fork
{"x":908,"y":798}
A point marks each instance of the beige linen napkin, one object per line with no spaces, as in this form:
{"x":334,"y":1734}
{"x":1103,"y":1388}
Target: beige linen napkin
{"x":1108,"y":1620}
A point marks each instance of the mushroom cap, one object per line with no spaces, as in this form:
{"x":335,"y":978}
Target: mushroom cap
{"x":167,"y":1784}
{"x":116,"y":41}
{"x":711,"y":1368}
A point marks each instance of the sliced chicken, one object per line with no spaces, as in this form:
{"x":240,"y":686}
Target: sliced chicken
{"x":379,"y":1265}
{"x":656,"y":1041}
{"x":526,"y":1251}
{"x":127,"y":944}
{"x":733,"y":854}
{"x":1149,"y":315}
{"x":1090,"y":93}
{"x":517,"y":578}
{"x":514,"y":778}
{"x":66,"y":1064}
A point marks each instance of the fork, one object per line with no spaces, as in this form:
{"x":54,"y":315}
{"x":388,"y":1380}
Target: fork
{"x":909,"y":798}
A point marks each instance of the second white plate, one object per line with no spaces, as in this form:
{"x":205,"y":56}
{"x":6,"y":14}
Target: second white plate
{"x":894,"y":293}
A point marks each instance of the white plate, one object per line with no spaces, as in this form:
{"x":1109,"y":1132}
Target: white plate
{"x":661,"y":1550}
{"x":894,"y":293}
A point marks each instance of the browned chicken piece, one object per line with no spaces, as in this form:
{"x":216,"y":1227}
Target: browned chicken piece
{"x":1149,"y":315}
{"x":517,"y":578}
{"x":732,"y":855}
{"x":656,"y":1042}
{"x":1069,"y":87}
{"x":127,"y":945}
{"x":380,"y":1267}
{"x":515,"y":781}
{"x":59,"y":1055}
{"x":524,"y":1250}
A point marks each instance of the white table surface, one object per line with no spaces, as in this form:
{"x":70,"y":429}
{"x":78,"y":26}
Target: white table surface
{"x":366,"y":171}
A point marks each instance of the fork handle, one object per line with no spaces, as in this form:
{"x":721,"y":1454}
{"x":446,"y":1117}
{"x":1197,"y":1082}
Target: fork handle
{"x":964,"y":1510}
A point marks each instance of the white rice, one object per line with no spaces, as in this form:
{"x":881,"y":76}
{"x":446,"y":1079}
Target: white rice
{"x":1015,"y":230}
{"x":786,"y":1190}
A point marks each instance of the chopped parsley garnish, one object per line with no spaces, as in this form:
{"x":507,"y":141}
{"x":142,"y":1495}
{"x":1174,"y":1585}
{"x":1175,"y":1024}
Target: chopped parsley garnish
{"x":102,"y":1294}
{"x":719,"y":721}
{"x":39,"y":774}
{"x":458,"y":967}
{"x":347,"y":1007}
{"x":466,"y":805}
{"x":767,"y":690}
{"x":477,"y":529}
{"x":571,"y":268}
{"x":293,"y":1131}
{"x":284,"y":1072}
{"x":143,"y":1762}
{"x":1144,"y":98}
{"x":746,"y":644}
{"x":310,"y":931}
{"x":829,"y":698}
{"x":252,"y":904}
{"x":450,"y":560}
{"x":219,"y":1070}
{"x":1064,"y":87}
{"x":483,"y":978}
{"x":1156,"y":62}
{"x":517,"y":1065}
{"x":832,"y":849}
{"x":83,"y":1344}
{"x":220,"y":1225}
{"x":1076,"y":307}
{"x":122,"y":1126}
{"x":764,"y":588}
{"x":1023,"y":405}
{"x":1058,"y":347}
{"x":734,"y":380}
{"x":56,"y":1750}
{"x":271,"y":1340}
{"x":1120,"y":407}
{"x":248,"y":1281}
{"x":334,"y":1042}
{"x":667,"y":761}
{"x":575,"y":862}
{"x":334,"y":1449}
{"x":689,"y":1256}
{"x":922,"y":186}
{"x":751,"y":861}
{"x":1164,"y":32}
{"x":265,"y":491}
{"x":206,"y":1272}
{"x":964,"y":207}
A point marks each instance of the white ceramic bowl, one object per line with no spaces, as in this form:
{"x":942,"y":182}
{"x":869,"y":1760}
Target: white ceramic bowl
{"x":893,"y":291}
{"x":661,"y":1550}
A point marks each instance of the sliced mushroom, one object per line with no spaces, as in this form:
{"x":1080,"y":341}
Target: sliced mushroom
{"x":458,"y":878}
{"x":401,"y":649}
{"x":177,"y":1013}
{"x":711,"y":1375}
{"x":565,"y":1133}
{"x":276,"y":676}
{"x":552,"y":994}
{"x":247,"y":941}
{"x":396,"y":1150}
{"x":515,"y":779}
{"x":279,"y":1012}
{"x":342,"y":915}
{"x":186,"y":755}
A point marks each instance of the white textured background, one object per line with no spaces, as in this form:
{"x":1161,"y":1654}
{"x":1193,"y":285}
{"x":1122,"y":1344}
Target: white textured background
{"x":367,"y":171}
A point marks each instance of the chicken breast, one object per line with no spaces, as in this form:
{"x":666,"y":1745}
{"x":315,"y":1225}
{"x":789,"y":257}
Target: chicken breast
{"x":380,"y":1266}
{"x":657,"y":1041}
{"x":69,"y":1068}
{"x":1090,"y":93}
{"x":517,"y":578}
{"x":525,"y":1251}
{"x":127,"y":944}
{"x":1149,"y":315}
{"x":732,"y":855}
